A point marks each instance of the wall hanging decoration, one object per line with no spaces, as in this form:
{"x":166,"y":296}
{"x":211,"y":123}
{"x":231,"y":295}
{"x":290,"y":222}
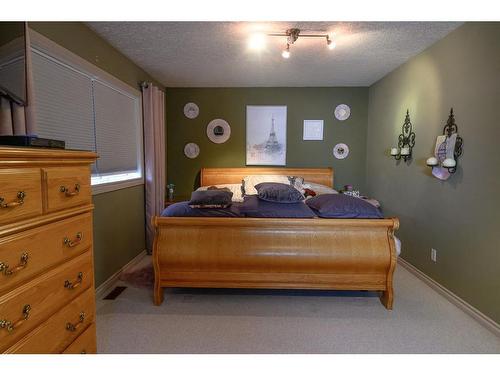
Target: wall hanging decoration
{"x":342,"y":112}
{"x":191,"y":150}
{"x":191,"y":110}
{"x":218,"y":130}
{"x":406,"y":141}
{"x":313,"y":130}
{"x":447,"y":150}
{"x":341,"y":151}
{"x":266,"y":135}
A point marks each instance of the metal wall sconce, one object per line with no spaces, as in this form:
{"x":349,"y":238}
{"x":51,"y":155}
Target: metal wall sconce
{"x":406,"y":141}
{"x":449,"y":163}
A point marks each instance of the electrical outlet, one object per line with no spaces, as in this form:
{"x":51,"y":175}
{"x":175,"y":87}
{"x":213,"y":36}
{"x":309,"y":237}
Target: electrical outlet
{"x":434,"y":255}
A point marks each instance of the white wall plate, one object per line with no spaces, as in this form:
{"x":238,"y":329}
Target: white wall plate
{"x":342,"y":112}
{"x":191,"y":110}
{"x":341,"y":151}
{"x":191,"y":150}
{"x":218,"y":131}
{"x":313,"y":130}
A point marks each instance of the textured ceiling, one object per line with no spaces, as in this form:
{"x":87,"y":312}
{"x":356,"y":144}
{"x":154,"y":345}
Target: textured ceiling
{"x":216,"y":54}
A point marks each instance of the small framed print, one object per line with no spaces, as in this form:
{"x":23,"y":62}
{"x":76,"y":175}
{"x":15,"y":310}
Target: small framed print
{"x":313,"y":130}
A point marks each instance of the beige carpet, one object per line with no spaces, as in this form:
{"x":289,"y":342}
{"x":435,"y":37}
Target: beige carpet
{"x":236,"y":321}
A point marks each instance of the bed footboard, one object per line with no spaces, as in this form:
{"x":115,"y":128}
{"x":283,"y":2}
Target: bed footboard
{"x":338,"y":254}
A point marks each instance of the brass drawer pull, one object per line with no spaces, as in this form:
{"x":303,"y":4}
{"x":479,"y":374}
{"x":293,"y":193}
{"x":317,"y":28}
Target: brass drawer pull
{"x":73,"y":243}
{"x":4,"y":267}
{"x":73,"y":327}
{"x":20,"y":200}
{"x":73,"y":285}
{"x":68,"y":192}
{"x":10,"y":326}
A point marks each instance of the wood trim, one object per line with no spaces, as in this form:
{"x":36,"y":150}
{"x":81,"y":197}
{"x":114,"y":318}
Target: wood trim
{"x":216,"y":176}
{"x":32,"y":155}
{"x":20,"y":226}
{"x":470,"y":310}
{"x":105,"y":286}
{"x":313,"y":224}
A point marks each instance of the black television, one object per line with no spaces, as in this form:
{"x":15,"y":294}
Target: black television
{"x":13,"y":61}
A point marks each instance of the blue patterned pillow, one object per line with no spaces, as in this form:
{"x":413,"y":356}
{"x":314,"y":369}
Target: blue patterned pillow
{"x":210,"y":199}
{"x":343,"y":207}
{"x":277,"y":192}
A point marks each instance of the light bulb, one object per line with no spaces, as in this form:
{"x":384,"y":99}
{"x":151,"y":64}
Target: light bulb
{"x":286,"y":52}
{"x":257,"y":41}
{"x":331,"y":44}
{"x":432,"y":161}
{"x":449,"y":163}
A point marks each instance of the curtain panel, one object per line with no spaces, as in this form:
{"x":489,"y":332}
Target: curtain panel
{"x":153,"y":100}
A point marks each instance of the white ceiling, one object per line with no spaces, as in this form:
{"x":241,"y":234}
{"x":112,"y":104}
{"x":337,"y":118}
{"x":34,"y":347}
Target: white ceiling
{"x":216,"y":54}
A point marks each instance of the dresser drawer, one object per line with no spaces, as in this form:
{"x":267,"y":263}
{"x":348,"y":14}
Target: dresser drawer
{"x":26,"y":307}
{"x":20,"y":194}
{"x":84,"y":344}
{"x":61,"y":329}
{"x":67,"y":187}
{"x":25,"y":255}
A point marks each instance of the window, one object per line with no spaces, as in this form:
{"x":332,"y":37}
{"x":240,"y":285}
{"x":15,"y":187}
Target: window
{"x":74,"y":104}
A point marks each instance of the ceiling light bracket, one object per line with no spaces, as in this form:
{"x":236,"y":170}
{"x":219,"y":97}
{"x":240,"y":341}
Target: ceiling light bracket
{"x":292,"y":35}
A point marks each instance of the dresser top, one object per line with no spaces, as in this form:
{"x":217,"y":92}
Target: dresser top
{"x":8,"y":154}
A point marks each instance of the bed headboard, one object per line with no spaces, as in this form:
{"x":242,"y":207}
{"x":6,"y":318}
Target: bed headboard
{"x":217,"y":176}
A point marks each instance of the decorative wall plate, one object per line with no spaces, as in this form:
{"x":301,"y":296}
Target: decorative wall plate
{"x":191,"y":110}
{"x":342,"y":112}
{"x":191,"y":150}
{"x":341,"y":151}
{"x":218,"y":131}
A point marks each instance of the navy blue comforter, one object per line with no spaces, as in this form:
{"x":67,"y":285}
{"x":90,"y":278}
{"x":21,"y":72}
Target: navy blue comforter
{"x":251,"y":207}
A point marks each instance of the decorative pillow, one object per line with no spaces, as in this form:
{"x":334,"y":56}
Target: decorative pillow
{"x":343,"y":207}
{"x":249,"y":182}
{"x":309,"y":193}
{"x":279,"y":193}
{"x":236,"y":189}
{"x":318,"y":188}
{"x":210,"y":199}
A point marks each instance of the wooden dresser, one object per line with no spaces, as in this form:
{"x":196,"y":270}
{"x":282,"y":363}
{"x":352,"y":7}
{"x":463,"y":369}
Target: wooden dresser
{"x":47,"y":296}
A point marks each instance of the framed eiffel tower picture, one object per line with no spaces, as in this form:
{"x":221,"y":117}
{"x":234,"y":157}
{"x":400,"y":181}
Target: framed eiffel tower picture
{"x":266,"y":135}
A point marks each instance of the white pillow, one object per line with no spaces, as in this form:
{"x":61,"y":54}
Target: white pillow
{"x":249,"y":182}
{"x":318,"y":188}
{"x":235,"y":189}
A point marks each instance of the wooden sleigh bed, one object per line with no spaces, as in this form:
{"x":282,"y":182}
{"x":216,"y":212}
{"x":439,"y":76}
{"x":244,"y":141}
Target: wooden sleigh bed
{"x":327,"y":254}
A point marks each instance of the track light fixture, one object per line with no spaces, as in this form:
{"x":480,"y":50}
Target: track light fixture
{"x":292,"y":35}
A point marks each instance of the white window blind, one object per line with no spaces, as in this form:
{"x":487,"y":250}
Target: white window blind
{"x":63,"y":104}
{"x":89,"y":113}
{"x":116,"y":117}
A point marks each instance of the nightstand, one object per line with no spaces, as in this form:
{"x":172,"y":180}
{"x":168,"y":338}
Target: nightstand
{"x":177,"y":198}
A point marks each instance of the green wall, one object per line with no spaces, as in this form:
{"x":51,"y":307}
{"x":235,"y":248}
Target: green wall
{"x":119,"y":233}
{"x":119,"y":218}
{"x":230,"y":104}
{"x":459,"y":217}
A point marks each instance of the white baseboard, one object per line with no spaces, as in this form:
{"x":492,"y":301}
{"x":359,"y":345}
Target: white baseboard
{"x":103,"y":289}
{"x":484,"y":320}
